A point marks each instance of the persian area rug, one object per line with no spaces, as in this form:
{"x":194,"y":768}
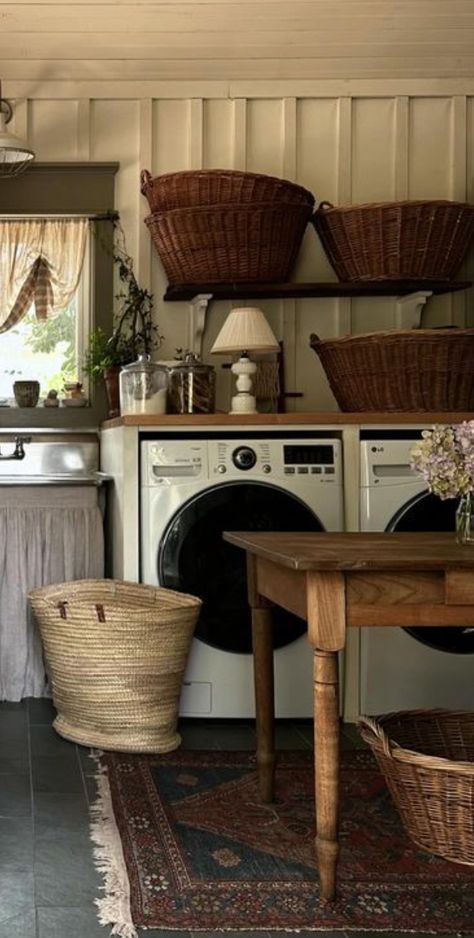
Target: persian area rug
{"x":184,"y":843}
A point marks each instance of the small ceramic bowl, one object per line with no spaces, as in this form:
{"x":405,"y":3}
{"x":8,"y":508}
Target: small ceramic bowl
{"x":26,"y":393}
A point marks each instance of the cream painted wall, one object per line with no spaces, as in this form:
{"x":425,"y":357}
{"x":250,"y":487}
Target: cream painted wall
{"x":359,"y":100}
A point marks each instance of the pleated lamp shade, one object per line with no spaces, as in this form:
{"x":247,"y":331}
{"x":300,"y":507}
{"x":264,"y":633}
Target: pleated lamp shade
{"x":245,"y":330}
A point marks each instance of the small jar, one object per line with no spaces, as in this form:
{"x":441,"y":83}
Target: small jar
{"x":143,"y":387}
{"x":191,"y":386}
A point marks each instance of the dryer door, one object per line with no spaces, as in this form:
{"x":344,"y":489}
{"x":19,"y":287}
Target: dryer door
{"x":194,"y":558}
{"x":427,"y":512}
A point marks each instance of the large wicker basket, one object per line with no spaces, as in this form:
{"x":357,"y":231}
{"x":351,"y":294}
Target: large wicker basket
{"x":419,"y":369}
{"x":427,"y":758}
{"x":229,"y":243}
{"x":201,"y":187}
{"x":396,"y":240}
{"x":115,"y":654}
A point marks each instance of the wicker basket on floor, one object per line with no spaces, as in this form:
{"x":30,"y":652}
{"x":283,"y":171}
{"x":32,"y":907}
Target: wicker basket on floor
{"x":116,"y":654}
{"x":229,"y":243}
{"x":418,"y":240}
{"x":427,"y":758}
{"x":201,"y":187}
{"x":413,"y":370}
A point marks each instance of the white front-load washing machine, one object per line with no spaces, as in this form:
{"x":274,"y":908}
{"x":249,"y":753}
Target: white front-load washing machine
{"x":193,"y":489}
{"x":414,"y":667}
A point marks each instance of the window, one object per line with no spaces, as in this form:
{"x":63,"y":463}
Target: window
{"x":69,"y":189}
{"x":50,"y":351}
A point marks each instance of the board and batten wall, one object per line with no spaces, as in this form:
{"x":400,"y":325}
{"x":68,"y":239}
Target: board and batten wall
{"x":358,"y":100}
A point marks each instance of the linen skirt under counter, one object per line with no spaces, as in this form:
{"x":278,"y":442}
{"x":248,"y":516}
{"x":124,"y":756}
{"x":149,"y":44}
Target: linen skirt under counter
{"x":48,"y":534}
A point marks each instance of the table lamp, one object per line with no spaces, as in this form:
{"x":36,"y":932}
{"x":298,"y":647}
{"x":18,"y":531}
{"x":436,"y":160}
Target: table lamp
{"x":245,"y":330}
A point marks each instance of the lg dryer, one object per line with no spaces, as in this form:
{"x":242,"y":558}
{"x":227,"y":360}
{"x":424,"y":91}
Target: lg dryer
{"x":414,"y":667}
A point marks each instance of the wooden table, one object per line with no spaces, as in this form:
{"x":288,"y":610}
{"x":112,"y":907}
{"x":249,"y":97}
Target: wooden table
{"x":334,"y":581}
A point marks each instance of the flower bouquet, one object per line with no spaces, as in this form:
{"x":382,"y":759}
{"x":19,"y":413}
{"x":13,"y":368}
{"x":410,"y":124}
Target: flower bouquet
{"x":445,"y":458}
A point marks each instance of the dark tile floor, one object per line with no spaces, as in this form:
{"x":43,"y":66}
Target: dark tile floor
{"x":47,"y":878}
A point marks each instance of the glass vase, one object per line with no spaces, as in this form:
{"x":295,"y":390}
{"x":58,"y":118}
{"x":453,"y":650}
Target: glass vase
{"x":465,"y":519}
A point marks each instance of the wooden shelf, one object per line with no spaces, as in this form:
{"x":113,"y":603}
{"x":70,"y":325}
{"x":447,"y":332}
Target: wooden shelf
{"x":328,"y":418}
{"x":266,"y":291}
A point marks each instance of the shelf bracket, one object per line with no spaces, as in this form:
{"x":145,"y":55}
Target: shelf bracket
{"x":409,"y":309}
{"x":197,"y":321}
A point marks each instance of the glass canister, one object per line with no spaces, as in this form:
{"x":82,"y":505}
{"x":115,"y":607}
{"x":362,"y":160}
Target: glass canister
{"x":143,"y":387}
{"x":191,"y":385}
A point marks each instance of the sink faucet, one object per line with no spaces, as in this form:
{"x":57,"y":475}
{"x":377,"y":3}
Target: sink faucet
{"x":19,"y":451}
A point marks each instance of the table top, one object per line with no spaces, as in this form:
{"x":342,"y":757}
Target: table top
{"x":358,"y":551}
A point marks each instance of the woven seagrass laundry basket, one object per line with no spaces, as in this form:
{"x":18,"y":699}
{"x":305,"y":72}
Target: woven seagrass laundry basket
{"x":427,"y":758}
{"x":116,"y":654}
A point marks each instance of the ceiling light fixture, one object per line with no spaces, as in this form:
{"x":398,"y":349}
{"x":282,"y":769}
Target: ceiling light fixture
{"x":15,"y":154}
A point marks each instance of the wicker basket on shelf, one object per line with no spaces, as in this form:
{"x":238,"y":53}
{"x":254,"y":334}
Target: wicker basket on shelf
{"x":413,"y":370}
{"x":427,"y":758}
{"x":417,"y":240}
{"x":229,"y":243}
{"x":116,"y":654}
{"x":194,"y":188}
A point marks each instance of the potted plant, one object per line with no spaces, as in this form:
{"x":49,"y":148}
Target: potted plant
{"x":133,"y":334}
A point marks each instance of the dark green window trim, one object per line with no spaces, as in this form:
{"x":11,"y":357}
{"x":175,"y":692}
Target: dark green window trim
{"x":75,"y":188}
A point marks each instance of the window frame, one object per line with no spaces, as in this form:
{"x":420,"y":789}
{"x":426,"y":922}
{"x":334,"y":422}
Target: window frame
{"x":70,"y":189}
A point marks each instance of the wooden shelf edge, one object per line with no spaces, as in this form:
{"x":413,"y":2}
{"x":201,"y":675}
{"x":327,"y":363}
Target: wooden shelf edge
{"x":242,"y":291}
{"x":180,"y":421}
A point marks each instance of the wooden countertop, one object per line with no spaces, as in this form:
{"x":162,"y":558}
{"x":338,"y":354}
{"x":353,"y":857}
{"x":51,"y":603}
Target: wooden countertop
{"x":329,"y":418}
{"x":395,"y":551}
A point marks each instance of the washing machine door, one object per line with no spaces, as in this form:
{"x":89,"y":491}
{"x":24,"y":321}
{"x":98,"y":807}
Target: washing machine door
{"x":427,"y":512}
{"x":195,"y":559}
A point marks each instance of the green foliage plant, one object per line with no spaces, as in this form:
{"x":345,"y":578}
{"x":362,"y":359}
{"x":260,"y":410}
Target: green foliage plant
{"x":134,"y":332}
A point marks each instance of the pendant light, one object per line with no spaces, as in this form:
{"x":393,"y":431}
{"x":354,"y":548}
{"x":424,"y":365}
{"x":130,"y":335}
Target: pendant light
{"x":15,"y":154}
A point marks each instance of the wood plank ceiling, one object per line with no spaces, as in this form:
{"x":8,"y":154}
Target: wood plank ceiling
{"x":225,"y":39}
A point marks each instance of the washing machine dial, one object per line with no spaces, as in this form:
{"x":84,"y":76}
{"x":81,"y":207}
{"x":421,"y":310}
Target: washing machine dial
{"x":244,"y":457}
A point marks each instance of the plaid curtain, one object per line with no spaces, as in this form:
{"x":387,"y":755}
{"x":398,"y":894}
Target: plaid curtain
{"x":36,"y":289}
{"x":40,"y":262}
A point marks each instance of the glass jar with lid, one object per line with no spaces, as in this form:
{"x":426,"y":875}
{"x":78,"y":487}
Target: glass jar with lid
{"x":191,"y":384}
{"x":143,"y":387}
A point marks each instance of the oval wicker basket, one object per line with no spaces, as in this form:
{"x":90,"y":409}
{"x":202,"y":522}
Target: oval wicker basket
{"x":229,"y":243}
{"x":419,"y":369}
{"x":115,"y":654}
{"x":193,"y":188}
{"x":427,"y":758}
{"x":396,"y":240}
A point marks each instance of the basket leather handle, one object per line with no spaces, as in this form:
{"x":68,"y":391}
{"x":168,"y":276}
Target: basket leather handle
{"x":373,"y":728}
{"x":145,"y":179}
{"x":314,"y":340}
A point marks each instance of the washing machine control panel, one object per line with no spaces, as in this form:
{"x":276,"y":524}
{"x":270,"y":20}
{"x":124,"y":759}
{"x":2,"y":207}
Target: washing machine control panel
{"x":292,"y":459}
{"x":174,"y":462}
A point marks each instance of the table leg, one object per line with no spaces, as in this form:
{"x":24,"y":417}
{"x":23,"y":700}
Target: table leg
{"x":262,"y":643}
{"x":326,"y":755}
{"x":262,"y":630}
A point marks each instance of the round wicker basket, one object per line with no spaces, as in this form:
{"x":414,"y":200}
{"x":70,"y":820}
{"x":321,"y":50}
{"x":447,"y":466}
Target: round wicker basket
{"x":229,"y":243}
{"x":427,"y":758}
{"x":396,"y":240}
{"x":416,"y":369}
{"x":116,"y":654}
{"x":192,"y":188}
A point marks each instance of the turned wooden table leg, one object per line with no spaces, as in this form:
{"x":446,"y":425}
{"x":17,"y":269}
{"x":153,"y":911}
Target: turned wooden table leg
{"x":262,"y":641}
{"x":326,"y":757}
{"x":325,"y":593}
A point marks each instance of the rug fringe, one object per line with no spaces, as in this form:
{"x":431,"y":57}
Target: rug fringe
{"x":114,"y":908}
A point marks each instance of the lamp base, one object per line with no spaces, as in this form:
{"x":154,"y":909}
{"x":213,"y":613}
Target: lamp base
{"x":244,"y":401}
{"x":243,"y":404}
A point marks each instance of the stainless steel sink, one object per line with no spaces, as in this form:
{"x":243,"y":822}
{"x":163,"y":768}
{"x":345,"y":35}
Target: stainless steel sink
{"x":49,"y":459}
